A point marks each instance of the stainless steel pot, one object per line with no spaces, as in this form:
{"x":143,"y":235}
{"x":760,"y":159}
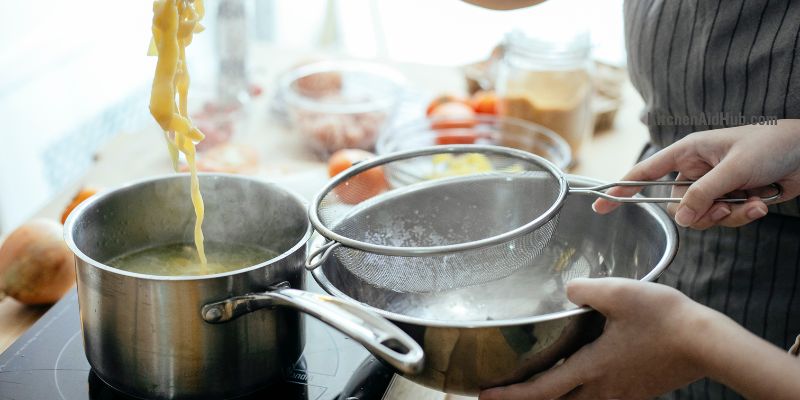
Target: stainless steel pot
{"x":164,"y":337}
{"x":508,"y":330}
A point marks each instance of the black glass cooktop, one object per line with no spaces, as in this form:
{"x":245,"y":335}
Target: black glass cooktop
{"x":48,"y":362}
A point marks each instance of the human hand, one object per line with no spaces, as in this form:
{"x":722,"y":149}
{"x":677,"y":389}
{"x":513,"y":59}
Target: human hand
{"x":645,"y":349}
{"x":722,"y":161}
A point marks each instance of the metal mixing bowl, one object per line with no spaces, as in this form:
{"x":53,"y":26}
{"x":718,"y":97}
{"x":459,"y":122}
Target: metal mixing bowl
{"x":508,"y":330}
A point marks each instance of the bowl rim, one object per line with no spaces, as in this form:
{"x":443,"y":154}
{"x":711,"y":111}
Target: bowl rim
{"x":425,"y":124}
{"x":660,"y":216}
{"x":382,"y":71}
{"x":75,"y":215}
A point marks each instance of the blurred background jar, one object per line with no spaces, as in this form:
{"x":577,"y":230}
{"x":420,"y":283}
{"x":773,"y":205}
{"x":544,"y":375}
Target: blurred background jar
{"x":548,"y":81}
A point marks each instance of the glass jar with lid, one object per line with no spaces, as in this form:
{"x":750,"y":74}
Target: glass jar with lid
{"x":548,"y":82}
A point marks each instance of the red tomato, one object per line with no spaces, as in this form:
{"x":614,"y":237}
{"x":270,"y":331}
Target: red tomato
{"x":484,"y":102}
{"x":445,"y":98}
{"x":361,"y":187}
{"x":453,"y":115}
{"x":456,"y":136}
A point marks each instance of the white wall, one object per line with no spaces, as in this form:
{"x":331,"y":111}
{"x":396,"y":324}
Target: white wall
{"x":62,"y":65}
{"x":445,"y":32}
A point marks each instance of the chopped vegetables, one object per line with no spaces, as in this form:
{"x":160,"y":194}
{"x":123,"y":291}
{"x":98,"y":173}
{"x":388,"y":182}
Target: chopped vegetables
{"x":463,"y":164}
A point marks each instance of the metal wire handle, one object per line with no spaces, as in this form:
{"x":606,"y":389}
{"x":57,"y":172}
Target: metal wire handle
{"x":319,"y":255}
{"x":599,"y":191}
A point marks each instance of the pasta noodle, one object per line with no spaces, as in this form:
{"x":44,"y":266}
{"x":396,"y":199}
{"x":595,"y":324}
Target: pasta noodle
{"x":174,"y":23}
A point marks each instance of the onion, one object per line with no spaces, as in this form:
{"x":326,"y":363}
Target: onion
{"x":36,"y":266}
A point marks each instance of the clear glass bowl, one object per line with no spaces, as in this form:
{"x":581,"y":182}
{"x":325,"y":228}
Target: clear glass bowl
{"x":340,"y":104}
{"x":481,"y":129}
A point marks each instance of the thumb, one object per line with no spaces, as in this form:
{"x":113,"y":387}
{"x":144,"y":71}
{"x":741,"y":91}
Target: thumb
{"x":602,"y":294}
{"x":717,"y":182}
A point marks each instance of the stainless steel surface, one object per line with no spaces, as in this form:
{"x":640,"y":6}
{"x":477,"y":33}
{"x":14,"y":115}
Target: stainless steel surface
{"x":145,"y":334}
{"x":509,"y":155}
{"x":510,"y":329}
{"x":435,"y":229}
{"x":441,"y":231}
{"x":597,"y":190}
{"x":378,"y":335}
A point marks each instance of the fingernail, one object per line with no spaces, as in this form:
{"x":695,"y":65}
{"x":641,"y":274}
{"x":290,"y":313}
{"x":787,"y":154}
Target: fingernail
{"x":594,"y":206}
{"x":756,"y":213}
{"x":720,"y":213}
{"x":685,"y":216}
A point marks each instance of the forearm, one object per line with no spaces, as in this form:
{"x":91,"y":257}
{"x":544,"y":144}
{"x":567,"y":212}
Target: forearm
{"x":744,"y":362}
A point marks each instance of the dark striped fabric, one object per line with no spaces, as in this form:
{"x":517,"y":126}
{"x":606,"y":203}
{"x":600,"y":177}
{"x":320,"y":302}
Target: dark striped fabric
{"x":710,"y":64}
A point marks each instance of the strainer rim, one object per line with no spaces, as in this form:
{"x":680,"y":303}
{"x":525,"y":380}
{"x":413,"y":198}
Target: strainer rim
{"x":403,"y":251}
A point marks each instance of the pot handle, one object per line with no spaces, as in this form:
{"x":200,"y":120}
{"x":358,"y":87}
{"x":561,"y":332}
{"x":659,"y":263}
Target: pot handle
{"x":374,"y":332}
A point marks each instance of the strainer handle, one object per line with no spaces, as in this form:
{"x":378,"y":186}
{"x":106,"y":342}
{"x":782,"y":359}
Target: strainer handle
{"x":599,"y":191}
{"x":319,"y":255}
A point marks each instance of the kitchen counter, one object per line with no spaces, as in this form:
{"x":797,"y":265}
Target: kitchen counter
{"x":136,"y":155}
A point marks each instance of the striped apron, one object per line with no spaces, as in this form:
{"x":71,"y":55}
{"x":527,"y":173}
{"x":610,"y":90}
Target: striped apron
{"x":709,"y":64}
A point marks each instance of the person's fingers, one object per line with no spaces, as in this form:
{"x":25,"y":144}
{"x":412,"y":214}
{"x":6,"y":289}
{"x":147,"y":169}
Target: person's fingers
{"x":713,"y":217}
{"x":700,"y":196}
{"x":650,"y":169}
{"x":743,"y":214}
{"x":552,"y":384}
{"x":602,"y":294}
{"x":724,"y":214}
{"x":580,"y":393}
{"x":660,"y":163}
{"x":604,"y":206}
{"x":677,"y":192}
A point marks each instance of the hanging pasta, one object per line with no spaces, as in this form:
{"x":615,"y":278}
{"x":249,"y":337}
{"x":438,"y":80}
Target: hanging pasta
{"x":174,"y":23}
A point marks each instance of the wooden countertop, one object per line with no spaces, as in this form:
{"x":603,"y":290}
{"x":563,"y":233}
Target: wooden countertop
{"x":135,"y":155}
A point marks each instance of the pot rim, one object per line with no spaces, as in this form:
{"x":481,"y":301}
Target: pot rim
{"x":669,"y":254}
{"x":69,"y":226}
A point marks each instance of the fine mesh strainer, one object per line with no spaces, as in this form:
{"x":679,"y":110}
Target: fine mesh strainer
{"x":446,"y":217}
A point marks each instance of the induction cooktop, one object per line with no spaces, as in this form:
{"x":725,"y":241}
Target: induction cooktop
{"x":48,"y":362}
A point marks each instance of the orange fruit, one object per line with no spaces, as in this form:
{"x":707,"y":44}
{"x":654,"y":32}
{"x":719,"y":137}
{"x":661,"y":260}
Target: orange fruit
{"x":82,"y":195}
{"x":362,"y":186}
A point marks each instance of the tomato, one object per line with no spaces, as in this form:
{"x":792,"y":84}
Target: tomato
{"x":364,"y":185}
{"x":456,"y":136}
{"x":484,"y":102}
{"x":453,"y":115}
{"x":441,"y":99}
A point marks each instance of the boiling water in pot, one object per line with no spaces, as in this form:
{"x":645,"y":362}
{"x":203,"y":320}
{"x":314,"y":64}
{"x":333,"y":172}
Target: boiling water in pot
{"x":181,"y":259}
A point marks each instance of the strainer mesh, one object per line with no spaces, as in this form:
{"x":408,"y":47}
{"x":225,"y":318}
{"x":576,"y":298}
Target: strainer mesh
{"x":452,"y":196}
